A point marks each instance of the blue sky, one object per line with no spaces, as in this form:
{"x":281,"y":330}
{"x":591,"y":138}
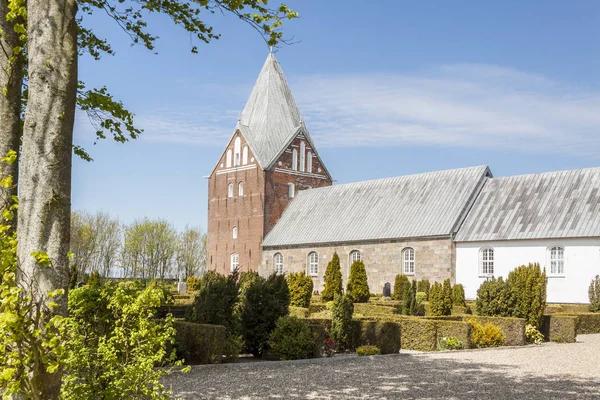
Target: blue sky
{"x":397,"y":88}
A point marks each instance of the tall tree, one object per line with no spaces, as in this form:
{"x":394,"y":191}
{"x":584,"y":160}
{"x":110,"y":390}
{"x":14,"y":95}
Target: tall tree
{"x":191,"y":252}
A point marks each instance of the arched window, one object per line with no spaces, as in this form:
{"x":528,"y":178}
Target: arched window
{"x":408,"y":261}
{"x":313,"y":263}
{"x":355,"y":256}
{"x":557,"y":260}
{"x":241,"y":189}
{"x":235,"y":262}
{"x":295,"y":160}
{"x":245,"y":155}
{"x":291,"y":190}
{"x":230,"y":190}
{"x":237,"y":147}
{"x":278,"y":261}
{"x":302,"y":156}
{"x":228,"y":162}
{"x":309,"y":162}
{"x":486,"y":263}
{"x":234,"y":234}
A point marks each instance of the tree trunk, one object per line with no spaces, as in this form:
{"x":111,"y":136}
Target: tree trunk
{"x":11,"y":81}
{"x":45,"y":182}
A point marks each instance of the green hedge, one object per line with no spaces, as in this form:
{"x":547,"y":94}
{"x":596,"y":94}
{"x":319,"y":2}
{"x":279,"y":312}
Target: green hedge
{"x":314,"y":308}
{"x":299,"y":312}
{"x":513,"y":328}
{"x":587,"y":323}
{"x":384,"y":335}
{"x":460,"y":330}
{"x":418,"y":334}
{"x":199,"y":343}
{"x":559,"y":328}
{"x":369,"y":310}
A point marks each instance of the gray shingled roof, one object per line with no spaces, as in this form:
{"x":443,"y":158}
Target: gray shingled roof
{"x":270,"y":119}
{"x":549,"y":205}
{"x":423,"y":205}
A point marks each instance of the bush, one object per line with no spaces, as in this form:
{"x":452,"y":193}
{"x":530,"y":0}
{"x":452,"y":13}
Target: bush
{"x":265,"y":301}
{"x":199,"y":343}
{"x":533,"y":335}
{"x":300,"y":286}
{"x":299,"y":312}
{"x":594,"y":294}
{"x":439,"y":302}
{"x":527,"y":285}
{"x":409,"y":298}
{"x":488,"y":335}
{"x":513,"y":328}
{"x":458,"y":329}
{"x":494,"y":298}
{"x":418,"y":334}
{"x":216,"y":300}
{"x":424,"y":286}
{"x":358,"y":287}
{"x":399,"y":283}
{"x":193,"y":283}
{"x":450,"y":343}
{"x":560,"y":328}
{"x":368,"y":350}
{"x":333,"y":280}
{"x":292,"y":339}
{"x":447,"y":289}
{"x":341,"y":321}
{"x":420,"y":299}
{"x":384,"y":335}
{"x":458,"y":295}
{"x":588,"y":323}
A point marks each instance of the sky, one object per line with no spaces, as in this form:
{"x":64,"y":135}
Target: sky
{"x":386,"y":88}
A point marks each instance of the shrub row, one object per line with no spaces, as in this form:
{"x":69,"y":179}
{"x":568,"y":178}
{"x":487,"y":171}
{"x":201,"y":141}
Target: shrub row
{"x":199,"y":343}
{"x":559,"y":328}
{"x":587,"y":323}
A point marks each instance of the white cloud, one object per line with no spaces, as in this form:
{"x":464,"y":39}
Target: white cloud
{"x":467,"y":105}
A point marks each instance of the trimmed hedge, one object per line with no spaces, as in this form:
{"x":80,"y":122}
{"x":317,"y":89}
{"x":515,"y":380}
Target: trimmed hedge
{"x":513,"y":328}
{"x":587,"y":323}
{"x":460,"y":330}
{"x":299,"y":312}
{"x":368,"y":309}
{"x":199,"y":343}
{"x":418,"y":334}
{"x":314,"y":308}
{"x":559,"y":328}
{"x":384,"y":335}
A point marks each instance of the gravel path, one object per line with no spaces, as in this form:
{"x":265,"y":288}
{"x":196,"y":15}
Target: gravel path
{"x":550,"y":371}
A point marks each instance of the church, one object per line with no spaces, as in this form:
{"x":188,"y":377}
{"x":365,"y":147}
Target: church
{"x":272,"y":207}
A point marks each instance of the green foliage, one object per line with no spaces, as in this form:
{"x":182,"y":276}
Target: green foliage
{"x":488,"y":335}
{"x":216,"y":300}
{"x":424,"y":286}
{"x":333,"y":279}
{"x":384,"y":335}
{"x":199,"y":343}
{"x":265,"y":301}
{"x":421,"y":297}
{"x":399,"y":283}
{"x":594,"y":294}
{"x":494,"y":298}
{"x":527,"y":285}
{"x":418,"y":334}
{"x":193,"y":283}
{"x":292,"y":339}
{"x":450,"y":343}
{"x":440,"y":299}
{"x":341,"y":321}
{"x":73,"y":276}
{"x":94,"y":279}
{"x":533,"y":335}
{"x":301,"y":288}
{"x":409,"y":299}
{"x":114,"y":344}
{"x":368,"y":350}
{"x":358,"y":287}
{"x":447,"y":290}
{"x":458,"y":295}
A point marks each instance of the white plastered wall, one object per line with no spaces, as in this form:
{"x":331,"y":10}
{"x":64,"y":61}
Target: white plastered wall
{"x":582,"y":263}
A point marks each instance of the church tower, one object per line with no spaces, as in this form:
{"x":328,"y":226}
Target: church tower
{"x":269,"y":158}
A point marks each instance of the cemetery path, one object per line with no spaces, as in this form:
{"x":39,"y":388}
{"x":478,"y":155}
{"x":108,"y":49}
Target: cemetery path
{"x":549,"y":371}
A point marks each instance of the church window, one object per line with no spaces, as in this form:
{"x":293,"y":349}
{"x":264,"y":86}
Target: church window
{"x":278,"y":261}
{"x":302,"y":156}
{"x":241,"y":189}
{"x":230,"y":190}
{"x":486,"y":263}
{"x":313,"y":263}
{"x":557,"y":260}
{"x":291,"y":190}
{"x":235,"y":232}
{"x":295,"y":160}
{"x":245,"y":155}
{"x":408,"y":261}
{"x":355,"y":256}
{"x":237,"y":144}
{"x":309,"y":162}
{"x":228,"y":162}
{"x":235,"y":262}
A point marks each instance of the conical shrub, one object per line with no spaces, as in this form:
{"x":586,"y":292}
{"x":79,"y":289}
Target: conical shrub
{"x":358,"y":287}
{"x":333,"y":279}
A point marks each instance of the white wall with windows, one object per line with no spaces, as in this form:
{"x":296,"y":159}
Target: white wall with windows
{"x":570,"y":264}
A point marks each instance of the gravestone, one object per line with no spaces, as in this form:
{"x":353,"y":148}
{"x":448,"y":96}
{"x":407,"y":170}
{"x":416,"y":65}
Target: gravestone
{"x":387,"y":289}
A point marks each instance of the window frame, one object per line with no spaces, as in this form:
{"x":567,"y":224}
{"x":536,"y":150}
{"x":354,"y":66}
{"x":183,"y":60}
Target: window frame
{"x":228,"y":158}
{"x":302,"y":156}
{"x":237,"y":150}
{"x":409,"y":262}
{"x":245,"y":155}
{"x":484,"y":264}
{"x":278,"y":263}
{"x":551,"y":260}
{"x":309,"y":165}
{"x":232,"y":263}
{"x":291,"y":190}
{"x":230,"y":190}
{"x":295,"y":160}
{"x":234,"y":232}
{"x":351,"y":257}
{"x":312,"y":263}
{"x":241,"y":189}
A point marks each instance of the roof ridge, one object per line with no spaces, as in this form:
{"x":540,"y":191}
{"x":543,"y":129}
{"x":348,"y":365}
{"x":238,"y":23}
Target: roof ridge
{"x":548,"y":173}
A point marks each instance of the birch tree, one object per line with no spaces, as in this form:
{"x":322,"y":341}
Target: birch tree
{"x":191,"y":252}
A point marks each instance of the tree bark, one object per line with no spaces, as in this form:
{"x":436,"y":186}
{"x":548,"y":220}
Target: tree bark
{"x":11,"y":81}
{"x":45,"y":181}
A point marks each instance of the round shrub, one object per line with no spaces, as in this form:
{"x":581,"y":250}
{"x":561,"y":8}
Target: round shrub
{"x":494,"y":298}
{"x":368,"y":350}
{"x":450,"y":343}
{"x":399,"y":283}
{"x":301,"y":288}
{"x":292,"y":339}
{"x":458,"y":295}
{"x":333,"y":279}
{"x":488,"y":335}
{"x":341,"y":321}
{"x":358,"y":287}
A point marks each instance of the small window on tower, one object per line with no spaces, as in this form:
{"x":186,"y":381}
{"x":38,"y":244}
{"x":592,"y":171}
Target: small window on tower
{"x":309,"y":162}
{"x":291,"y":190}
{"x":295,"y":160}
{"x":237,"y":147}
{"x":235,"y":232}
{"x":241,"y":189}
{"x":230,"y":190}
{"x":245,"y":155}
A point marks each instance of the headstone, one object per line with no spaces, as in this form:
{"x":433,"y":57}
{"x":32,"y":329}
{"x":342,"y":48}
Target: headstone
{"x":182,"y":288}
{"x":387,"y":289}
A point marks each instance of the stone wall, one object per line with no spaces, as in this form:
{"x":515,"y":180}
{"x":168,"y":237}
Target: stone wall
{"x":434,"y":260}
